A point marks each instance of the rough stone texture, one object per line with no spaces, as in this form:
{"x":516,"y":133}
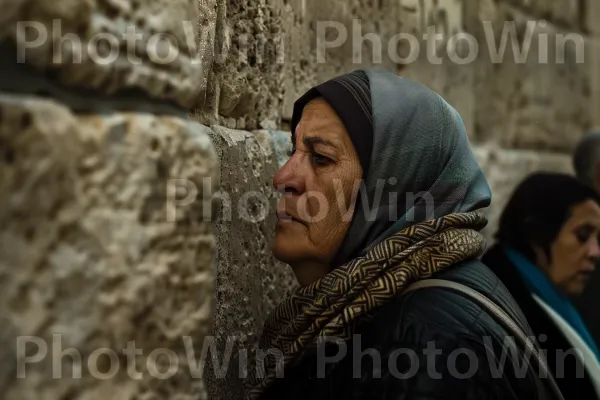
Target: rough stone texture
{"x":168,"y":61}
{"x":594,"y":104}
{"x":565,"y":13}
{"x":592,"y":14}
{"x":271,"y":52}
{"x":245,"y":82}
{"x":504,"y":169}
{"x":385,"y":19}
{"x":87,"y":249}
{"x":533,"y":103}
{"x":268,"y":52}
{"x":524,"y":105}
{"x":310,"y":25}
{"x":250,"y":282}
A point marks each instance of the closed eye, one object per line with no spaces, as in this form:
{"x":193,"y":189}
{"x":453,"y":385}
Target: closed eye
{"x":319,"y":159}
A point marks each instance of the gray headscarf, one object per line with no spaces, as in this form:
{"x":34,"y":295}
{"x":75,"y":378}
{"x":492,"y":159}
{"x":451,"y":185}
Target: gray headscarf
{"x":420,"y":165}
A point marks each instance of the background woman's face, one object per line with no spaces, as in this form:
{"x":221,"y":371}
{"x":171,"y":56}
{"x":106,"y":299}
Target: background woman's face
{"x":576,"y":250}
{"x":320,"y":175}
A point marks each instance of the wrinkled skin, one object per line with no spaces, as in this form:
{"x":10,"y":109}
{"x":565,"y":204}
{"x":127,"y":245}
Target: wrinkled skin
{"x":319,"y":184}
{"x":575,"y":251}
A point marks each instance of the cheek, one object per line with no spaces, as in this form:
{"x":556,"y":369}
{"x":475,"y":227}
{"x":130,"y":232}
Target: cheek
{"x":567,"y":254}
{"x":333,"y":210}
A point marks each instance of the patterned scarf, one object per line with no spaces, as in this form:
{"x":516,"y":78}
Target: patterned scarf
{"x":333,"y":305}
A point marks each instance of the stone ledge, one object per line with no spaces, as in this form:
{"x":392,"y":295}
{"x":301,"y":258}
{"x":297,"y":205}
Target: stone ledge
{"x":128,"y":62}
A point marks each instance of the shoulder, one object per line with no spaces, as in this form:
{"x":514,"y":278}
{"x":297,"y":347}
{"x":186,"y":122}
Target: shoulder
{"x":444,"y":312}
{"x":435,"y":343}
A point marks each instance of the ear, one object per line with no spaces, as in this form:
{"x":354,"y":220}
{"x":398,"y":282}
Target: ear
{"x":541,"y":258}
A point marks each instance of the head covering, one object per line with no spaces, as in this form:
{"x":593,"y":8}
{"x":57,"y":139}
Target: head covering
{"x":420,"y":163}
{"x":420,"y":141}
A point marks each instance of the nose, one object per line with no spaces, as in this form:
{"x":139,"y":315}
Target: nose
{"x":594,"y":250}
{"x":289,"y":179}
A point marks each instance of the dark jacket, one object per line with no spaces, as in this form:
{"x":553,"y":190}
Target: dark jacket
{"x":588,"y":305}
{"x":556,"y":344}
{"x":438,"y":317}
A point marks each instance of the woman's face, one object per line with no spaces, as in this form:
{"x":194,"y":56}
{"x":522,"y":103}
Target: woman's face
{"x":576,"y":250}
{"x":319,"y":184}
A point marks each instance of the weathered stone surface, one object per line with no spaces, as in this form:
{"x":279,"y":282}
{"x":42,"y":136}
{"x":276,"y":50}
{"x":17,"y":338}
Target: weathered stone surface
{"x":564,"y":13}
{"x":90,"y":251}
{"x":594,"y":104}
{"x":592,"y":14}
{"x":381,"y":23}
{"x":245,"y":83}
{"x":271,"y":52}
{"x":539,"y":99}
{"x":113,"y":46}
{"x":505,"y":169}
{"x":250,"y":282}
{"x":326,"y":39}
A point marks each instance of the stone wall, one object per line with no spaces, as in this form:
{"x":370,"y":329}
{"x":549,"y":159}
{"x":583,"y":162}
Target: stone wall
{"x":88,"y":249}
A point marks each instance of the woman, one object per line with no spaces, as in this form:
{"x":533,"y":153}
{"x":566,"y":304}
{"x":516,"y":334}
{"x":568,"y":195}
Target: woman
{"x":546,"y":251}
{"x":382,"y":190}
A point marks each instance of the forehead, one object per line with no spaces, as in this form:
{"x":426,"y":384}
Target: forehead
{"x":320,"y":119}
{"x":586,"y":211}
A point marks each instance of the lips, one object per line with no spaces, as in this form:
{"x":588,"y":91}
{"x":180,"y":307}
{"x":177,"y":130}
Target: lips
{"x":283,"y":216}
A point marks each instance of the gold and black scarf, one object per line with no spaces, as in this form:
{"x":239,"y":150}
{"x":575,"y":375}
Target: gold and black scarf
{"x":333,"y":305}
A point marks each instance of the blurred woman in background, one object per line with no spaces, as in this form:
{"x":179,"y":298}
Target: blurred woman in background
{"x":546,"y":252}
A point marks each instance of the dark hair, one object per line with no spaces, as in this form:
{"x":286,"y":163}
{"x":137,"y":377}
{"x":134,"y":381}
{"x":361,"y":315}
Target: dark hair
{"x":537,"y":210}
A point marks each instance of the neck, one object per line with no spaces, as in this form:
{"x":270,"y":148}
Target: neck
{"x":309,"y":271}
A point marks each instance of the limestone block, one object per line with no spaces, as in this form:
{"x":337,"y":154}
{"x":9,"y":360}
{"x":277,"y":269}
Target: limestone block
{"x":564,"y":13}
{"x":536,"y":97}
{"x":271,"y":52}
{"x":93,"y":258}
{"x":505,"y":169}
{"x":113,"y":46}
{"x":246,"y":78}
{"x":250,"y":282}
{"x":592,"y":16}
{"x":595,"y":83}
{"x":326,"y":39}
{"x":567,"y":13}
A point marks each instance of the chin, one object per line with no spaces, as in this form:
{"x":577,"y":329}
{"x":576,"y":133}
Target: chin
{"x":285,"y":249}
{"x":575,"y":289}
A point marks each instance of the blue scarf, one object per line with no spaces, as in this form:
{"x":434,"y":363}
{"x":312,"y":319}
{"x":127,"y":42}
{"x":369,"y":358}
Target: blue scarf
{"x":537,"y":282}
